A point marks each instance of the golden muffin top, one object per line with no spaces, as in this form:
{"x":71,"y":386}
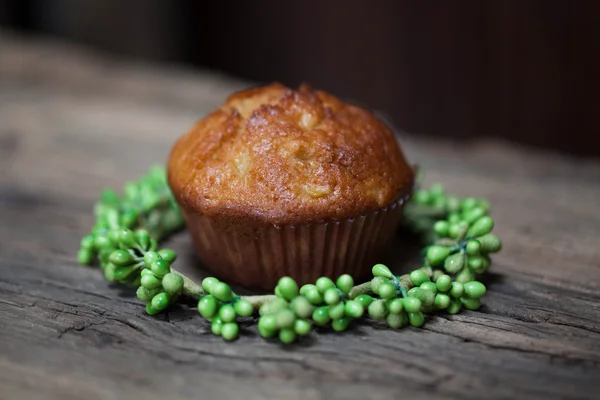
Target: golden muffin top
{"x":281,"y":156}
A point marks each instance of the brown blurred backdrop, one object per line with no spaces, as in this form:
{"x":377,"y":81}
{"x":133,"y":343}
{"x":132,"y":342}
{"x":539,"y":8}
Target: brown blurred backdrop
{"x":524,"y":70}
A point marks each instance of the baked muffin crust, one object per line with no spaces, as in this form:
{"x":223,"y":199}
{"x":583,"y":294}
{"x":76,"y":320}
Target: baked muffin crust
{"x":277,"y":156}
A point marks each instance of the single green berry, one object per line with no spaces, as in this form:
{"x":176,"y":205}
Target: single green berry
{"x":112,"y":218}
{"x":216,"y":326}
{"x":490,"y":243}
{"x":321,"y":316}
{"x":288,"y":288}
{"x":227,"y":313}
{"x":268,"y":322}
{"x":146,"y":295}
{"x":85,"y":256}
{"x":411,"y":304}
{"x":222,"y":292}
{"x":422,"y":197}
{"x":464,"y":276}
{"x":430,"y":286}
{"x":115,"y":239}
{"x":151,"y":310}
{"x":416,"y":318}
{"x":345,"y":283}
{"x":468,"y":203}
{"x":230,"y":331}
{"x":396,"y":321}
{"x":455,"y":262}
{"x":160,"y":268}
{"x":364,"y":300}
{"x":109,"y":272}
{"x":285,"y":319}
{"x":313,"y":295}
{"x":482,"y":226}
{"x":208,"y":283}
{"x":458,"y":230}
{"x":287,"y":336}
{"x":474,"y":215}
{"x":454,"y":307}
{"x":173,"y":283}
{"x":101,"y":241}
{"x":395,"y":306}
{"x":243,"y":308}
{"x":441,"y":228}
{"x":150,"y":257}
{"x":453,"y":218}
{"x":375,"y":283}
{"x":168,"y":255}
{"x":150,"y":281}
{"x":208,"y":306}
{"x":443,"y":283}
{"x":441,"y":301}
{"x":473,"y":247}
{"x":470,"y":304}
{"x":377,"y":310}
{"x":302,"y":307}
{"x":324,"y":283}
{"x":426,"y":296}
{"x":306,"y":288}
{"x":381,"y":271}
{"x":302,"y":327}
{"x":477,"y":263}
{"x":278,"y":293}
{"x":267,"y":326}
{"x":437,"y":254}
{"x":331,"y":296}
{"x":142,"y":237}
{"x":387,"y":290}
{"x":417,"y":277}
{"x":129,"y":218}
{"x":474,"y":289}
{"x":122,"y":273}
{"x":353,"y":309}
{"x":160,"y":301}
{"x":336,"y":311}
{"x":87,"y":242}
{"x":340,"y":324}
{"x":147,"y":271}
{"x":457,"y":290}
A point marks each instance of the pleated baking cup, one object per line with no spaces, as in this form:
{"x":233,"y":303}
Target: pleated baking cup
{"x":256,"y":257}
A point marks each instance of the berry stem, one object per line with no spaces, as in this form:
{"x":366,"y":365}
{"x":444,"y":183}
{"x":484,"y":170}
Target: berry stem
{"x":190,"y":288}
{"x":363,"y":288}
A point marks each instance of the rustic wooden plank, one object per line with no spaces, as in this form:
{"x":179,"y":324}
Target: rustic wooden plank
{"x":75,"y":123}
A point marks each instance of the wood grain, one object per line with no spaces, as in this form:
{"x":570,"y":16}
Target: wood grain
{"x":73,"y":123}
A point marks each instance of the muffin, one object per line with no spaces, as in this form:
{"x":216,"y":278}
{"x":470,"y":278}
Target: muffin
{"x":281,"y":182}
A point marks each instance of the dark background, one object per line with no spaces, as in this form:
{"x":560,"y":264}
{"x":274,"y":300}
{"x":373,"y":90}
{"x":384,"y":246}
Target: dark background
{"x":525,"y":71}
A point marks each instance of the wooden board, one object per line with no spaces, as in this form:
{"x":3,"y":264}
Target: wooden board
{"x":72,"y":123}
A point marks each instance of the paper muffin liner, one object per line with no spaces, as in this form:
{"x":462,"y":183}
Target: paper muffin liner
{"x":256,"y":258}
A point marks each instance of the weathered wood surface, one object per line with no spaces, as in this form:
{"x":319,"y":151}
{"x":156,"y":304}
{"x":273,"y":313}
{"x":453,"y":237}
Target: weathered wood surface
{"x":72,"y":123}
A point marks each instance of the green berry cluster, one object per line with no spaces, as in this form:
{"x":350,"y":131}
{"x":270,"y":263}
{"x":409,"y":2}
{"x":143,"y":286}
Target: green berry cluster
{"x":464,"y":241}
{"x":159,"y":286}
{"x":287,"y":315}
{"x":458,"y":231}
{"x":147,"y":206}
{"x":222,"y":307}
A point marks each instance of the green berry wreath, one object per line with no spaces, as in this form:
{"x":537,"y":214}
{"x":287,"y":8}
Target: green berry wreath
{"x":124,"y":243}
